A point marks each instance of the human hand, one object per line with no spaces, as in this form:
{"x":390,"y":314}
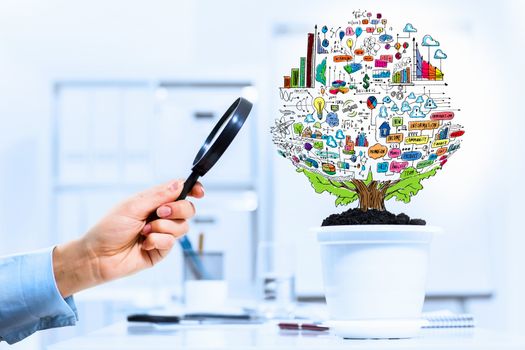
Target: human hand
{"x":122,"y":243}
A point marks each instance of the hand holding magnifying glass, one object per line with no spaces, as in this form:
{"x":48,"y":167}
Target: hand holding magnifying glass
{"x":213,"y":148}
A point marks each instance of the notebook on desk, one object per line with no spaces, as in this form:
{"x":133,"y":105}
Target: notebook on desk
{"x":435,"y":319}
{"x":447,"y":319}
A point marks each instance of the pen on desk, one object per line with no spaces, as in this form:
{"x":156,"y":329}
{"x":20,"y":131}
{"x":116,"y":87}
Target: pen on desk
{"x":302,"y":326}
{"x":201,"y":243}
{"x":194,"y":260}
{"x":192,"y":317}
{"x":153,"y":318}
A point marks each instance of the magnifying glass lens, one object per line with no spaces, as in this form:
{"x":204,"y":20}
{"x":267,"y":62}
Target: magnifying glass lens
{"x":221,"y":136}
{"x":207,"y":144}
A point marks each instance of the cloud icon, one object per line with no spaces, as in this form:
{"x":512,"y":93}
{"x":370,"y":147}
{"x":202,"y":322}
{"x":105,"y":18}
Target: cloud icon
{"x":339,"y":134}
{"x":429,"y":41}
{"x":330,"y":141}
{"x":309,"y":118}
{"x":430,"y":104}
{"x":405,"y":107}
{"x":394,"y":108}
{"x":420,"y":99}
{"x":387,"y":99}
{"x":417,"y":113}
{"x":409,"y":28}
{"x":412,"y":95}
{"x":440,"y":55}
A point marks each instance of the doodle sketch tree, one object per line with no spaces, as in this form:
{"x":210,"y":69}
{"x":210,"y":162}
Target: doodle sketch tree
{"x":365,"y":115}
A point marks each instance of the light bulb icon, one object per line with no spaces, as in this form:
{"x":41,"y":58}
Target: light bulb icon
{"x":318,"y":104}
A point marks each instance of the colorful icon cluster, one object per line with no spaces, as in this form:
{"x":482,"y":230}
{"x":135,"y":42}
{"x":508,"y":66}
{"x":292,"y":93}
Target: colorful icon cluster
{"x":367,"y":100}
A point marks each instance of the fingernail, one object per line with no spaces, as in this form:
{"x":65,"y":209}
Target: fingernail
{"x":175,"y":186}
{"x":163,"y":211}
{"x":146,"y":229}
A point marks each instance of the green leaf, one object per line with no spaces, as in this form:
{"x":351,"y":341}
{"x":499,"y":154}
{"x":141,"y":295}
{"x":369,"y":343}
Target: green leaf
{"x":369,"y":177}
{"x":337,"y":183}
{"x":409,"y":185}
{"x":408,"y":172}
{"x":321,"y":184}
{"x":346,"y":200}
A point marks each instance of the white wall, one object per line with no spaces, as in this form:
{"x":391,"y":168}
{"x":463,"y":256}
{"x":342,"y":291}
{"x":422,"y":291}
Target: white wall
{"x":509,"y":242}
{"x":24,"y":114}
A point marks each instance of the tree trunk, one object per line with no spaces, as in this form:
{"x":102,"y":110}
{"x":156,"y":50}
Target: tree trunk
{"x":373,"y":195}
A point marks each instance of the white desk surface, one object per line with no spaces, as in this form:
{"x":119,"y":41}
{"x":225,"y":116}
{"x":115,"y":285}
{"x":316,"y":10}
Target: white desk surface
{"x":268,"y":336}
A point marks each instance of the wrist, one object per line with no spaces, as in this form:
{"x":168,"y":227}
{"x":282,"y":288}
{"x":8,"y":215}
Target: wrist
{"x":75,"y":268}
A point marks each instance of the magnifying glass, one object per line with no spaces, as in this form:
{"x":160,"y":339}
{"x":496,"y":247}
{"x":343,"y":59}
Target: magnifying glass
{"x":211,"y":151}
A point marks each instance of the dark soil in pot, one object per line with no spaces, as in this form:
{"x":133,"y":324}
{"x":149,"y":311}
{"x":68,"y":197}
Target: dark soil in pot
{"x":356,"y":216}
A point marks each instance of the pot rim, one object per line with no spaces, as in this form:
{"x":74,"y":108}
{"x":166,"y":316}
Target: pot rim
{"x":352,"y":234}
{"x":377,"y":228}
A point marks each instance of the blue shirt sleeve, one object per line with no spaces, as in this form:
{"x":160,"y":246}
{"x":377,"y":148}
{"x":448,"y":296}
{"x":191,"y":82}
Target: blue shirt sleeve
{"x":29,"y":297}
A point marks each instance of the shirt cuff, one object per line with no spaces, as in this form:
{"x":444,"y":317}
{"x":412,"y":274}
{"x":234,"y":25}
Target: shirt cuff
{"x":43,"y":303}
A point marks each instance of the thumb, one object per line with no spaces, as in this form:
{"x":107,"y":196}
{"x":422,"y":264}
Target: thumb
{"x":142,"y":204}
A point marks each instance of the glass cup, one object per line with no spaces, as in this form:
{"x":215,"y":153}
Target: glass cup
{"x":276,"y":280}
{"x":204,"y":286}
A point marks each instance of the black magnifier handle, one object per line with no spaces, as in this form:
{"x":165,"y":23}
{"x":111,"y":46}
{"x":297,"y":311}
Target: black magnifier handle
{"x":188,"y":185}
{"x":194,"y":262}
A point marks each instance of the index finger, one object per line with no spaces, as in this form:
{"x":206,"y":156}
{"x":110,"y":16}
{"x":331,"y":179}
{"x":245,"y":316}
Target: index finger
{"x":197,"y":191}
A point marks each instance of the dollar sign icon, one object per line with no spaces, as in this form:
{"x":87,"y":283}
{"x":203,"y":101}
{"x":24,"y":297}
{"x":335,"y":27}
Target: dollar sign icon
{"x":366,"y":83}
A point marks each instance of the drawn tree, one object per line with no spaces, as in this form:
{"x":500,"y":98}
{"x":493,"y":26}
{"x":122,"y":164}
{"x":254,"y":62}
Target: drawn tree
{"x":365,"y":116}
{"x":371,"y":194}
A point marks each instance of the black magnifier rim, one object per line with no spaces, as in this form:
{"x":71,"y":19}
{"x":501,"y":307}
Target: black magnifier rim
{"x":209,"y":153}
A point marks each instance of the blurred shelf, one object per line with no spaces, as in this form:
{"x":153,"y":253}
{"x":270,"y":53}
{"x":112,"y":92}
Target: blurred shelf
{"x":117,"y":186}
{"x":117,"y":137}
{"x":204,"y":84}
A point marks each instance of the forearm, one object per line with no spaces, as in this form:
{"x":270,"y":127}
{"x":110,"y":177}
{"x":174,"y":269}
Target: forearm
{"x":29,"y":298}
{"x":75,"y":268}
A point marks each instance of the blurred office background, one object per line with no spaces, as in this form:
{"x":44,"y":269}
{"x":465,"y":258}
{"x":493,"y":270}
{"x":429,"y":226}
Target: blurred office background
{"x":100,"y":99}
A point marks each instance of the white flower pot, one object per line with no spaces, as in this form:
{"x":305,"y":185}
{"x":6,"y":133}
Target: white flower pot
{"x":374,"y":278}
